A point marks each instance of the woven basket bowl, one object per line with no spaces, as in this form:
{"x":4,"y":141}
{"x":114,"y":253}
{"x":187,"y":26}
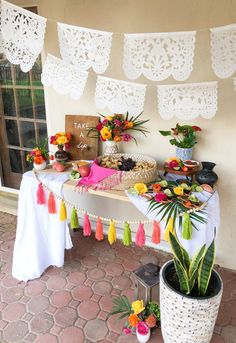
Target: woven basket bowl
{"x":129,"y":178}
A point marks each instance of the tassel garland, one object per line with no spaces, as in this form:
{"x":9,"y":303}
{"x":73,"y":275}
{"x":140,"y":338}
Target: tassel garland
{"x":156,"y":233}
{"x":169,"y":228}
{"x":140,"y":236}
{"x":99,"y":230}
{"x":112,"y":232}
{"x":40,"y":195}
{"x":187,"y":227}
{"x":51,"y":203}
{"x":87,"y":226}
{"x":63,"y":214}
{"x":74,"y":221}
{"x":127,"y":239}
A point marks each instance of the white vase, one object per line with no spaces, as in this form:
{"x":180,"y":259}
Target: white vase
{"x":143,"y":338}
{"x":184,"y":153}
{"x":186,"y":319}
{"x":110,"y":148}
{"x":40,"y":166}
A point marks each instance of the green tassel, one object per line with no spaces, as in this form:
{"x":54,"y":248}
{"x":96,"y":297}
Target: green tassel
{"x":127,"y":239}
{"x":74,"y":221}
{"x":187,"y":227}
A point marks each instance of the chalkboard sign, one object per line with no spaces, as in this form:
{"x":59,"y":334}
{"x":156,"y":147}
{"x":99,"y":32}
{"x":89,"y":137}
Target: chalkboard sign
{"x":82,"y":147}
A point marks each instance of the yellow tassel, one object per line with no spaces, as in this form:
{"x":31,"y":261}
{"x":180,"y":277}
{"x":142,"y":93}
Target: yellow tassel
{"x":112,"y":232}
{"x":63,"y":214}
{"x":169,"y":228}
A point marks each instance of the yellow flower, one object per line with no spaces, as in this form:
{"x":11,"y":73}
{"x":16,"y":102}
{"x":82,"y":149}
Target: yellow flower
{"x":140,"y":188}
{"x":172,"y":159}
{"x":137,"y":306}
{"x":105,"y":133}
{"x":62,"y":140}
{"x":109,"y":118}
{"x":178,"y":190}
{"x":128,"y":124}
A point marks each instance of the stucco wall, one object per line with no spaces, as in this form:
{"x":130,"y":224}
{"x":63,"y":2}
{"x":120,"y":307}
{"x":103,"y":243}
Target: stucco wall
{"x":217,"y":142}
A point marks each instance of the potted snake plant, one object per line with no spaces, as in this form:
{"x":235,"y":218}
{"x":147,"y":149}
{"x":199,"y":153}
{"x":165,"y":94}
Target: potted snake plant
{"x":190,"y":295}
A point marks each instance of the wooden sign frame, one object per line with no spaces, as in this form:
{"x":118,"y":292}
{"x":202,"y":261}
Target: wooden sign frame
{"x":82,"y":146}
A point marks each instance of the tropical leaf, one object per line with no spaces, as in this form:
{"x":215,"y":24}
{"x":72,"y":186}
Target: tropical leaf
{"x":165,"y":133}
{"x":196,"y":259}
{"x":176,"y":249}
{"x":205,"y":269}
{"x":182,"y":276}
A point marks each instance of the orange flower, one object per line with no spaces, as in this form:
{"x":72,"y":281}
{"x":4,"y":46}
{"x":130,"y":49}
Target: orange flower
{"x":156,"y":187}
{"x":128,"y":124}
{"x":38,"y":160}
{"x":117,"y":139}
{"x":38,"y":152}
{"x":133,"y":320}
{"x":68,"y":136}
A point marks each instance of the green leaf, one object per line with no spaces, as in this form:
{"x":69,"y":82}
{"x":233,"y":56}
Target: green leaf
{"x":196,"y":260}
{"x":176,"y":249}
{"x":205,"y":270}
{"x":182,"y":276}
{"x":165,"y":133}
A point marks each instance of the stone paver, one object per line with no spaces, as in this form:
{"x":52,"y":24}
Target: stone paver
{"x":71,"y":304}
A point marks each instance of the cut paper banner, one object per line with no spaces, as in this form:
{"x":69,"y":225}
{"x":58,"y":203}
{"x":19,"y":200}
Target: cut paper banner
{"x":187,"y":101}
{"x":85,"y":48}
{"x":119,"y":96}
{"x":223,"y":50}
{"x":22,"y":34}
{"x":63,"y":77}
{"x":159,"y":55}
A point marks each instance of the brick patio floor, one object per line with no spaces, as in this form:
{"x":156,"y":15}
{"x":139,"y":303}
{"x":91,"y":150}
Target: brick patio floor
{"x":70,"y":304}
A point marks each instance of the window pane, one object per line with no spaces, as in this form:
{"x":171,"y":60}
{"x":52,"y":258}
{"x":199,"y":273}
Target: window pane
{"x":8,"y":102}
{"x":5,"y":72}
{"x":22,"y":79}
{"x":12,"y":132}
{"x":15,"y":161}
{"x":36,"y":73}
{"x":39,"y":104}
{"x":25,"y":103}
{"x":27,"y":134}
{"x":42,"y":132}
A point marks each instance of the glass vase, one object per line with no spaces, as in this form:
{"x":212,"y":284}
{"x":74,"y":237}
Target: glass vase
{"x":110,"y":148}
{"x":61,"y":155}
{"x":143,"y":338}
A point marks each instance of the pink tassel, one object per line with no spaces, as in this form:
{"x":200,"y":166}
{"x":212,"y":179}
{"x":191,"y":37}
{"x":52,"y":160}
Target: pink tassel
{"x":51,"y":203}
{"x":140,"y":236}
{"x":87,"y":226}
{"x":156,"y":234}
{"x":99,"y":230}
{"x":40,"y":195}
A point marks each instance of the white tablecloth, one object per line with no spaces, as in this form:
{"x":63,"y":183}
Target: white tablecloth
{"x":41,"y":238}
{"x":204,"y":233}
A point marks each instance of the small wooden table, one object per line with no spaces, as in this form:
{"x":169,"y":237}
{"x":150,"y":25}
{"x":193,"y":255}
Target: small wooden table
{"x":189,"y":173}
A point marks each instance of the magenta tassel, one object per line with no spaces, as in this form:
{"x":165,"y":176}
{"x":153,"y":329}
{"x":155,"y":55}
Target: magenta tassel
{"x":140,"y":236}
{"x":40,"y":195}
{"x":87,"y":226}
{"x":156,"y":234}
{"x":51,"y":204}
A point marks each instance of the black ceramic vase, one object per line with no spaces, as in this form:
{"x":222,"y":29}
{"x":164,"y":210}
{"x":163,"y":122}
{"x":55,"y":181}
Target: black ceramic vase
{"x":61,"y":155}
{"x":207,"y":175}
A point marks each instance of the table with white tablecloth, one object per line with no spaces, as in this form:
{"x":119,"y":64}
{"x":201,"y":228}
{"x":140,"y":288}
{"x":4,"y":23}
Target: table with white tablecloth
{"x":41,"y":238}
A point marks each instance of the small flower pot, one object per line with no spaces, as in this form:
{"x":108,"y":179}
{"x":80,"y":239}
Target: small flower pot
{"x":110,"y":148}
{"x":143,"y":338}
{"x":184,"y":154}
{"x":40,"y":166}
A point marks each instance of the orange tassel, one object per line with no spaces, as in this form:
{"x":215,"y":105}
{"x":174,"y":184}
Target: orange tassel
{"x":51,"y":204}
{"x":99,"y":230}
{"x":156,"y":234}
{"x":40,"y":195}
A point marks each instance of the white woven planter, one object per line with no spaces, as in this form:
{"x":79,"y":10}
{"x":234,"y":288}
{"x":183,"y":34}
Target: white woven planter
{"x":185,"y":319}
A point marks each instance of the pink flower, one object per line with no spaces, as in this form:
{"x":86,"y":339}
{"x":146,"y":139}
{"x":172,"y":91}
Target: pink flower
{"x":104,"y":122}
{"x":127,"y":331}
{"x":52,"y":139}
{"x":126,"y":137}
{"x":99,"y":127}
{"x":67,"y":146}
{"x":142,"y":328}
{"x":117,"y":122}
{"x":173,"y":164}
{"x":159,"y":197}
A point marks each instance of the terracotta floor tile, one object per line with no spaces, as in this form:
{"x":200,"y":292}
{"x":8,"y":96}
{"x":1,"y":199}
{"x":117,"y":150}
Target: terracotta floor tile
{"x":88,"y":309}
{"x":15,"y":331}
{"x":65,"y":316}
{"x":13,"y":312}
{"x":61,"y":298}
{"x":95,"y":330}
{"x":72,"y":335}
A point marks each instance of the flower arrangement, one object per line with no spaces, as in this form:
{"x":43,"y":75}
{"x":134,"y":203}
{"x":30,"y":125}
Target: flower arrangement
{"x":61,"y":139}
{"x":38,"y":155}
{"x":182,"y":136}
{"x":138,"y":315}
{"x":114,"y":127}
{"x":171,"y":200}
